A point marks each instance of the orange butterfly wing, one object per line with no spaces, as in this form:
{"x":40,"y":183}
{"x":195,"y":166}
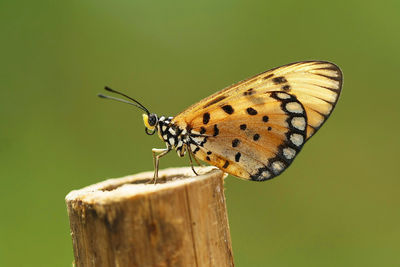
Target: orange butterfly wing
{"x":248,"y":142}
{"x":316,"y":84}
{"x":280,"y":109}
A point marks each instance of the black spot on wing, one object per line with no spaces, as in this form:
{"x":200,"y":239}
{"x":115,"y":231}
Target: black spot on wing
{"x":237,"y":156}
{"x":235,"y":142}
{"x":203,"y":142}
{"x":216,"y":130}
{"x":249,"y":92}
{"x":226,"y":165}
{"x":228,"y":109}
{"x":279,"y":80}
{"x":268,"y":76}
{"x":256,"y":137}
{"x":214,"y":101}
{"x":251,"y":111}
{"x":206,"y":117}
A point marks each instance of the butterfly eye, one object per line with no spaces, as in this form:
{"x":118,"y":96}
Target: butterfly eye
{"x":152,"y":119}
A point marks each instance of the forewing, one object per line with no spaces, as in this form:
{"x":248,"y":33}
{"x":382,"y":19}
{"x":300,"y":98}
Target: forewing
{"x":316,"y":84}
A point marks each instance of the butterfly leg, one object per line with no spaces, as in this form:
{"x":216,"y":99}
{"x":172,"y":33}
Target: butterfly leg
{"x":197,"y":161}
{"x":161,"y":152}
{"x":191,"y":162}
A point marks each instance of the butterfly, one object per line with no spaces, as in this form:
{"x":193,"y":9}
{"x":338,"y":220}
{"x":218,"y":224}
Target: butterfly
{"x":255,"y":128}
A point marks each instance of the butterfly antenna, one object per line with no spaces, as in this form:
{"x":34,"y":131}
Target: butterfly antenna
{"x":134,"y":100}
{"x":124,"y":101}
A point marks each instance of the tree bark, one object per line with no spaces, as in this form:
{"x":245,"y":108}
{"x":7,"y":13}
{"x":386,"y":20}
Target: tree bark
{"x":180,"y":221}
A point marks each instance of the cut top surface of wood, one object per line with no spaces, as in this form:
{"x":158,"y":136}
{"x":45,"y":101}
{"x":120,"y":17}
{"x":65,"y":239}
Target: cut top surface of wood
{"x":115,"y":188}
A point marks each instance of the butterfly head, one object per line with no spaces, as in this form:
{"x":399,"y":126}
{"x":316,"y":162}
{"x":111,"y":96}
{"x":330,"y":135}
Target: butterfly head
{"x":150,"y":119}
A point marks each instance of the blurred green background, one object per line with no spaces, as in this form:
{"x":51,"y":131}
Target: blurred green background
{"x":337,"y":205}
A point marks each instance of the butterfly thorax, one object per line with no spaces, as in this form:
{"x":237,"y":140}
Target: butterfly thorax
{"x":174,"y":136}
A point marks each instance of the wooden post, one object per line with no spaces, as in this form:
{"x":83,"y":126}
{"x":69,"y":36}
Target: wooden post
{"x":180,"y":221}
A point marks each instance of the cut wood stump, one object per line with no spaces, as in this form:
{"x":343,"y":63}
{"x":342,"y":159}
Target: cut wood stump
{"x":180,"y":221}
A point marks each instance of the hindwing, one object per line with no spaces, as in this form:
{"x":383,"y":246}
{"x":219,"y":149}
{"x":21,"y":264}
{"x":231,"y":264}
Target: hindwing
{"x":255,"y":140}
